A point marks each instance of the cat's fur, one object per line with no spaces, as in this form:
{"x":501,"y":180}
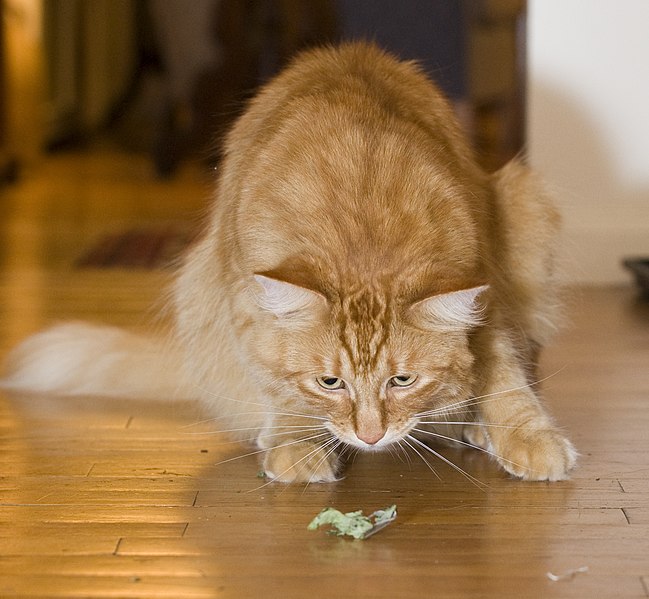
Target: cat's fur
{"x":354,"y":238}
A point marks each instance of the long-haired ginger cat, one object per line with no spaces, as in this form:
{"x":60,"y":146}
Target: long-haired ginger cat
{"x":361,"y":282}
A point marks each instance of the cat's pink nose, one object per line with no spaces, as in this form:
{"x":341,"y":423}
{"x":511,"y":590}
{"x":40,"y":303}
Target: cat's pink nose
{"x":371,"y":437}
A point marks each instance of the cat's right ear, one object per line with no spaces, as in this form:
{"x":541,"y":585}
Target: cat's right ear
{"x":286,"y":300}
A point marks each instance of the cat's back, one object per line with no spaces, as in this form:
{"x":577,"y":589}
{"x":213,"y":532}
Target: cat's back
{"x":358,"y":78}
{"x":346,"y":156}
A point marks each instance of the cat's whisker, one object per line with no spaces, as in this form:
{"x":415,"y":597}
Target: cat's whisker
{"x":397,"y":452}
{"x":456,"y":415}
{"x":471,"y":402}
{"x":354,"y":451}
{"x":256,"y":403}
{"x":291,"y":432}
{"x":466,"y":444}
{"x":215,"y":395}
{"x":466,"y":423}
{"x":264,"y":450}
{"x":348,"y":450}
{"x":438,"y":455}
{"x":304,"y":459}
{"x":392,"y":451}
{"x":405,"y":454}
{"x":477,"y":400}
{"x":230,"y":418}
{"x":216,"y":419}
{"x":294,"y":415}
{"x":430,"y":467}
{"x":325,"y":457}
{"x":454,"y":408}
{"x":242,"y":414}
{"x":256,"y":437}
{"x":256,"y":428}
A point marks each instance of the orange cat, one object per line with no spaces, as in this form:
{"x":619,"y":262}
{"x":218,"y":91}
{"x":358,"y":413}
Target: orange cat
{"x":361,"y":283}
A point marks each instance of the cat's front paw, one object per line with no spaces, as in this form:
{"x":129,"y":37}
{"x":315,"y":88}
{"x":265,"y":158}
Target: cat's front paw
{"x":539,"y":454}
{"x":301,"y":462}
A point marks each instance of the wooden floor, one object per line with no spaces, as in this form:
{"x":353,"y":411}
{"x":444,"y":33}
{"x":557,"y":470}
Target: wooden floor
{"x":106,"y":498}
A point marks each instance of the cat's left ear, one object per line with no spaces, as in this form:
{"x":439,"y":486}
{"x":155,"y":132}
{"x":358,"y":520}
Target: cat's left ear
{"x":457,"y":310}
{"x":284,"y":299}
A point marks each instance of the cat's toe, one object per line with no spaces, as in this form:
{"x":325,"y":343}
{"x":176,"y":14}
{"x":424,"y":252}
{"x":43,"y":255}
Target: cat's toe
{"x":537,"y":455}
{"x":301,"y":463}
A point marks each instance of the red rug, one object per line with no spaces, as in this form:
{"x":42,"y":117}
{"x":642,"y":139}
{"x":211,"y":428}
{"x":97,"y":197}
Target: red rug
{"x":138,"y":248}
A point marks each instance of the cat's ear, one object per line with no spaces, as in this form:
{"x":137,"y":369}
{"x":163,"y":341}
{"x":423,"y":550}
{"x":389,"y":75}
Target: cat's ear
{"x":285,"y":299}
{"x":457,"y":310}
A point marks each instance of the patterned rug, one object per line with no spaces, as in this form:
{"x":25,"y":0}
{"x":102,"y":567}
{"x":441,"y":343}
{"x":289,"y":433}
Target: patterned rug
{"x":138,"y":248}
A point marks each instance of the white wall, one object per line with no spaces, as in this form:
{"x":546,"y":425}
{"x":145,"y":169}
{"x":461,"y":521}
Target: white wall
{"x":588,"y":126}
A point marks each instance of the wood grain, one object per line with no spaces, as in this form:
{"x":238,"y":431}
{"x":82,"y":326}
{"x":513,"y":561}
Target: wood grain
{"x":126,"y":498}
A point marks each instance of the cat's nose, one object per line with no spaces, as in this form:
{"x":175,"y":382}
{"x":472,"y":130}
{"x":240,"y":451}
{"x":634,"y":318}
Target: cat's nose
{"x":371,"y":437}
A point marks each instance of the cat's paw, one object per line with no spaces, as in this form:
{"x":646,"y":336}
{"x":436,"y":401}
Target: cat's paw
{"x":476,"y":436}
{"x":302,"y":463}
{"x":540,"y":454}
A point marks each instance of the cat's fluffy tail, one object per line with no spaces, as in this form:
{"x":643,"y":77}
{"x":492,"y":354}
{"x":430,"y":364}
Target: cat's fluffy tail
{"x":85,"y":359}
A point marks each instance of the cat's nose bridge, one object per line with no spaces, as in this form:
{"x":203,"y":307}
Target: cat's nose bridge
{"x":369,"y":425}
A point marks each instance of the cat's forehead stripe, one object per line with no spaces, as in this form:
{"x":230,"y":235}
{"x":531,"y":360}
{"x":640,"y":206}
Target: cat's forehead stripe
{"x":364,"y":325}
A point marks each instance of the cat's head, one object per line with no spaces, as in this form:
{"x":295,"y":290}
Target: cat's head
{"x":370,"y":361}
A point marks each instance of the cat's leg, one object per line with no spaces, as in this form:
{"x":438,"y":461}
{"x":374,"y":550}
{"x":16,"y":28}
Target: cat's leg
{"x":517,"y":429}
{"x":296,"y":452}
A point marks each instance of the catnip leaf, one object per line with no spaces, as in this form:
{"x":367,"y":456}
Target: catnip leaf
{"x":354,"y":524}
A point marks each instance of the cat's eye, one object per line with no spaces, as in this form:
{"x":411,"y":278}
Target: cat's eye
{"x":402,"y":380}
{"x":330,"y":383}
